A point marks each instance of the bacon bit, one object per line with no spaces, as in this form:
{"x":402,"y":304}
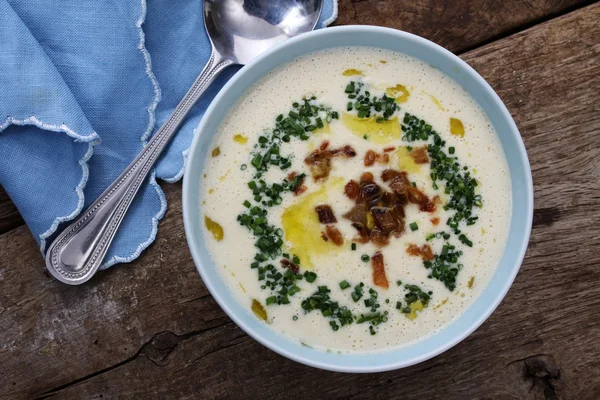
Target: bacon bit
{"x":335,"y":235}
{"x":319,"y":161}
{"x":324,"y":237}
{"x":379,"y":277}
{"x":290,"y":265}
{"x":351,"y":189}
{"x":388,"y":149}
{"x":299,"y":190}
{"x":366,"y":177}
{"x":435,"y":221}
{"x":427,"y":253}
{"x":346,"y":151}
{"x":424,"y":251}
{"x":371,"y":158}
{"x":419,"y":155}
{"x":291,"y":175}
{"x":325,"y":214}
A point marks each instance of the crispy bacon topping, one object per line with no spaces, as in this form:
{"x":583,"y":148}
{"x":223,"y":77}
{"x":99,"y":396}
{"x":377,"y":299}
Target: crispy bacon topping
{"x":351,"y":189}
{"x":419,"y":155}
{"x":435,"y":221}
{"x":424,"y":251}
{"x":400,"y":185}
{"x":334,"y":234}
{"x":325,"y":214}
{"x":379,"y":277}
{"x":290,"y":265}
{"x":388,"y":149}
{"x":319,"y":161}
{"x":378,"y":214}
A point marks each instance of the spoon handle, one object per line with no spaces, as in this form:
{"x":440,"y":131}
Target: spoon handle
{"x":77,"y":253}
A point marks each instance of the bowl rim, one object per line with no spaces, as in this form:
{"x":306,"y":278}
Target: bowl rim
{"x":192,"y":204}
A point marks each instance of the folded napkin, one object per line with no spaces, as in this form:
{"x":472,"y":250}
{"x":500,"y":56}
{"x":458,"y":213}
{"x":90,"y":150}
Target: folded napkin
{"x":83,"y":85}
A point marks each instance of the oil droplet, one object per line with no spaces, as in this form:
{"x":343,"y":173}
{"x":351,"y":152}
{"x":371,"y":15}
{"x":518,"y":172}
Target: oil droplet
{"x":436,"y":102}
{"x":242,"y":287}
{"x":216,"y":151}
{"x":456,"y":127}
{"x":470,"y":284}
{"x":214,"y":228}
{"x":259,"y":310}
{"x":211,"y":191}
{"x":301,"y":224}
{"x":222,"y":178}
{"x":414,"y":307}
{"x":399,"y":92}
{"x":383,"y":61}
{"x":352,"y":72}
{"x":377,"y":132}
{"x":483,"y":231}
{"x":239,"y":138}
{"x":441,"y":304}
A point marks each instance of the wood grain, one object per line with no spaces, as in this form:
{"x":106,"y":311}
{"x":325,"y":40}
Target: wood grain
{"x":150,"y":329}
{"x":456,"y":25}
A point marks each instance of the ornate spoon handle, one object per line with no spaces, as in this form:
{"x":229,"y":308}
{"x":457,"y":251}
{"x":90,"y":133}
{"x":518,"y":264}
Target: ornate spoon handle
{"x":77,"y":253}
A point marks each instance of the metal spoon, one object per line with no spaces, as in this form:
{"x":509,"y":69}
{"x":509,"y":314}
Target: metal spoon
{"x":239,"y":30}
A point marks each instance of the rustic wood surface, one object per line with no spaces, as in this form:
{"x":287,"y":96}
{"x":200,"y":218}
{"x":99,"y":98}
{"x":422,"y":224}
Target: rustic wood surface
{"x":150,"y":329}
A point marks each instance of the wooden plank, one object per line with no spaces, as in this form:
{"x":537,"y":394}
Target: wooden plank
{"x":9,"y":215}
{"x":456,"y":25}
{"x":151,"y":329}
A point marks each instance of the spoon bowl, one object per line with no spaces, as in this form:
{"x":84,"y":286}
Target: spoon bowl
{"x":240,"y":30}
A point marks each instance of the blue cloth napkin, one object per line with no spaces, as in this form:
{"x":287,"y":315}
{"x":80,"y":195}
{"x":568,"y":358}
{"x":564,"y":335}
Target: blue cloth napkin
{"x":83,"y":85}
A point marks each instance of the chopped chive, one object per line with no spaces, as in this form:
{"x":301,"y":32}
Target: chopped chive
{"x":413,"y":226}
{"x":365,"y":258}
{"x":271,"y":300}
{"x":344,"y":285}
{"x":353,"y":246}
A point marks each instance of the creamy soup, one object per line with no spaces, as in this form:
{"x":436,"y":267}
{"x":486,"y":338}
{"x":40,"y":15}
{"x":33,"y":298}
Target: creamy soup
{"x":356,"y":199}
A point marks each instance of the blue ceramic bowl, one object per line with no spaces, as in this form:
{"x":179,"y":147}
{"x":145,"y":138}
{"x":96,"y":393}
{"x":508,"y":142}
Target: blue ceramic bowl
{"x":520,"y":220}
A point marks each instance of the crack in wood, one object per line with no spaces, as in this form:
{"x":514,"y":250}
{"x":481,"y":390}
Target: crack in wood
{"x":543,"y":372}
{"x":194,"y":299}
{"x":239,"y":340}
{"x":157,"y":350}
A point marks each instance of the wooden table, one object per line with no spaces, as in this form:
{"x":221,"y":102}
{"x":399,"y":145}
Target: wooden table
{"x":151,"y":329}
